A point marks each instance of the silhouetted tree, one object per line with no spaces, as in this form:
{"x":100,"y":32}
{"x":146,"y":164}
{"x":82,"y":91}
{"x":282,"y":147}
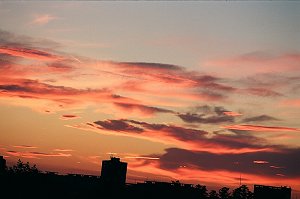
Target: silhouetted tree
{"x":202,"y":191}
{"x":23,"y":168}
{"x":224,"y":193}
{"x":242,"y":192}
{"x":213,"y":195}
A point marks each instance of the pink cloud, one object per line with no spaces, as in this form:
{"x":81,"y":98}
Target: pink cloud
{"x":42,"y":19}
{"x":65,"y":96}
{"x":264,"y":92}
{"x":171,"y":75}
{"x":276,"y":167}
{"x":260,"y":162}
{"x":62,"y":69}
{"x":233,"y":114}
{"x":28,"y":53}
{"x":257,"y":62}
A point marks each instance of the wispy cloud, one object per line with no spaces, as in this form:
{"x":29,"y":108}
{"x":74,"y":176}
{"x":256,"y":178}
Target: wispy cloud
{"x":63,"y":150}
{"x":28,"y":53}
{"x":118,"y":125}
{"x":94,"y":159}
{"x":256,"y":62}
{"x":25,"y":146}
{"x":69,"y":117}
{"x":140,"y":93}
{"x":232,"y":113}
{"x":245,"y":127}
{"x":141,"y":157}
{"x":146,"y":110}
{"x":36,"y":155}
{"x":264,"y":92}
{"x":42,"y":19}
{"x":260,"y":162}
{"x":260,"y":118}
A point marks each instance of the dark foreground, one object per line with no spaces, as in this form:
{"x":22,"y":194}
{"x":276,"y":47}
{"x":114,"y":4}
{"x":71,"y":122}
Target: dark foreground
{"x":50,"y":185}
{"x":24,"y":181}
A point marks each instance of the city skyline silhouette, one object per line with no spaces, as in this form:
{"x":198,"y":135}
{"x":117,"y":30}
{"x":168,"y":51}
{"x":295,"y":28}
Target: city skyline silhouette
{"x":112,"y":184}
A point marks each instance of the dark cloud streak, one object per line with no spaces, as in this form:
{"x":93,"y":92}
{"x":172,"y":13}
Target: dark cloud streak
{"x":143,"y":108}
{"x":288,"y":160}
{"x":118,"y":125}
{"x":219,"y":143}
{"x":260,"y":118}
{"x":207,"y":115}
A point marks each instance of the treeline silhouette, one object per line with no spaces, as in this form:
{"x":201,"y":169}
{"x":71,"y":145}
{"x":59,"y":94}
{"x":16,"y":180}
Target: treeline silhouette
{"x":25,"y":181}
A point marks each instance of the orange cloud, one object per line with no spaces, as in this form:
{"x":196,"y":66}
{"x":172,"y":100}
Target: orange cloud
{"x":291,"y":102}
{"x":94,"y":159}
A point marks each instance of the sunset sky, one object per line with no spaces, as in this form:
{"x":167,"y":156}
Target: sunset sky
{"x":201,"y":92}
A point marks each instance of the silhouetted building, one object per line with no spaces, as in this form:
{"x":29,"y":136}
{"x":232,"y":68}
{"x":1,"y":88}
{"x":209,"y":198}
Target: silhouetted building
{"x":113,"y":172}
{"x":2,"y":164}
{"x":174,"y":189}
{"x":263,"y":192}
